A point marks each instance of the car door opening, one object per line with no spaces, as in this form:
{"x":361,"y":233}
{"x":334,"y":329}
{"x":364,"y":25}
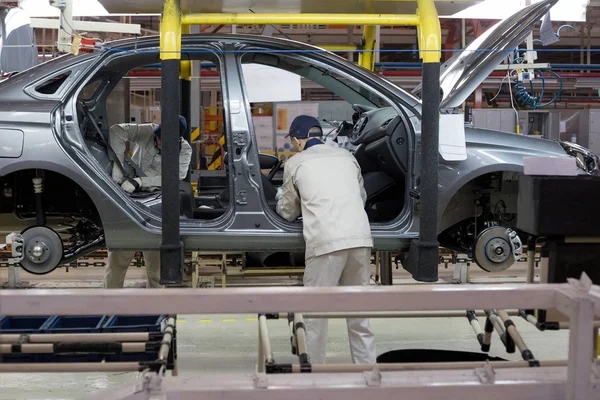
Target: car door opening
{"x":97,"y":121}
{"x":375,"y":134}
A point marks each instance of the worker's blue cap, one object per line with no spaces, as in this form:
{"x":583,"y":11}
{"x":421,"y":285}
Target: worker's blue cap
{"x":302,"y":125}
{"x":182,"y":127}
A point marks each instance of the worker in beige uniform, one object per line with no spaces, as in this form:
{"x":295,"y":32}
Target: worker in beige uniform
{"x":324,"y":185}
{"x":146,"y":164}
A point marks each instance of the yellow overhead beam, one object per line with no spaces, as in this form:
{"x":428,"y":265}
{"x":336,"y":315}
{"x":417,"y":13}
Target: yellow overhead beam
{"x":301,"y":19}
{"x":426,"y":20}
{"x":429,"y":32}
{"x":170,"y":31}
{"x":345,"y":47}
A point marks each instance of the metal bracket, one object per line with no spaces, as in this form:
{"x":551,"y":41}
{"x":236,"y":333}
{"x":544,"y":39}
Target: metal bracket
{"x":239,"y":138}
{"x":515,"y":243}
{"x":261,"y":381}
{"x":461,"y":269}
{"x":373,"y":377}
{"x":486,"y":374}
{"x":17,"y":246}
{"x":240,"y":198}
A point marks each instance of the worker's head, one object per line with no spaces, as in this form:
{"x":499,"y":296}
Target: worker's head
{"x":303,"y":129}
{"x":182,"y":130}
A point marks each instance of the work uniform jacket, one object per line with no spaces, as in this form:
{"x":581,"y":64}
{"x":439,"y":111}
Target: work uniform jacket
{"x":324,"y":184}
{"x":145,"y":154}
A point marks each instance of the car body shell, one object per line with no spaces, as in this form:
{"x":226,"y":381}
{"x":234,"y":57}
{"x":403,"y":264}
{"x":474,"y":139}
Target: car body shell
{"x":51,"y":141}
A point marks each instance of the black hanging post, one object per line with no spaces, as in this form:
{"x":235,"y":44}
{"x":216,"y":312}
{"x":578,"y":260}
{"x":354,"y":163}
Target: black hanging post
{"x":171,"y":247}
{"x":423,"y":257}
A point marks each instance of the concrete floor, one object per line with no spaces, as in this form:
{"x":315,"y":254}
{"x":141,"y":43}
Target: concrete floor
{"x":226,"y":344}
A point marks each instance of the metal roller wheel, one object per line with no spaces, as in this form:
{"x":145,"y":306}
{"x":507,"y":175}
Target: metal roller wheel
{"x":43,"y":250}
{"x":493,"y":251}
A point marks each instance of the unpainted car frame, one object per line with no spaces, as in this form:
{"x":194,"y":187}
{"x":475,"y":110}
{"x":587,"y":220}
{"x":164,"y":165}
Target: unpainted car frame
{"x":55,"y":174}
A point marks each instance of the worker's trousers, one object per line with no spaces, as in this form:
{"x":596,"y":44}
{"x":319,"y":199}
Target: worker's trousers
{"x":118,"y":263}
{"x":350,"y":267}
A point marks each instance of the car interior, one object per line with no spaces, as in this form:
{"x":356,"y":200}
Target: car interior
{"x":376,"y":136}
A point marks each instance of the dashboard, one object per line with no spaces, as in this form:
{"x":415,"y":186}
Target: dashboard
{"x":373,"y":125}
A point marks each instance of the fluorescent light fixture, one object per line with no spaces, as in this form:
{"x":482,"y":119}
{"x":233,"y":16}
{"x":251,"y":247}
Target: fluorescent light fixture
{"x":564,"y":10}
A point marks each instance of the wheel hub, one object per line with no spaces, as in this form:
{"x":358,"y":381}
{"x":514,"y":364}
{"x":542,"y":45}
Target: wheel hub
{"x":43,"y":250}
{"x":498,"y":250}
{"x":492,"y":250}
{"x":38,"y":250}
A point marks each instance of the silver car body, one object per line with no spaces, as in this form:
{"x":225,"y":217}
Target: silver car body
{"x":41,"y":131}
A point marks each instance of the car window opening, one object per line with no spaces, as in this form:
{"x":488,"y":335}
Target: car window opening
{"x":53,"y":84}
{"x":100,"y":112}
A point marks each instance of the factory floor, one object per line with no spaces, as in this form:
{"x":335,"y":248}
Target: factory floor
{"x":227,"y":344}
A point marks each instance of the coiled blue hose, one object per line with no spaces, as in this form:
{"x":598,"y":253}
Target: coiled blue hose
{"x":524,"y":99}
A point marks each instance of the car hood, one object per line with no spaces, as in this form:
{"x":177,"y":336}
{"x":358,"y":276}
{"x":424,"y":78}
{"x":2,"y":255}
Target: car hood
{"x":496,"y":139}
{"x":466,"y":70}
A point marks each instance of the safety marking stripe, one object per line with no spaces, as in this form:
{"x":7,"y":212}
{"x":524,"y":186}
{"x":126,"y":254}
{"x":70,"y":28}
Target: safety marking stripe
{"x":229,"y":320}
{"x":206,"y":320}
{"x":181,"y":320}
{"x":252,"y":319}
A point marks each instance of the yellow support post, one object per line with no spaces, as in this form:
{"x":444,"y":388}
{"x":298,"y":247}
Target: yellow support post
{"x":301,"y":19}
{"x":170,"y":31}
{"x":429,"y":32}
{"x":185,"y":66}
{"x":367,"y":58}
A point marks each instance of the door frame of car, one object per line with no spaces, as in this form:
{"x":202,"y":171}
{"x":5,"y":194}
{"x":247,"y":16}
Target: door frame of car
{"x":386,"y":235}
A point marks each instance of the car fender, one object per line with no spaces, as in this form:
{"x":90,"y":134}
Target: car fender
{"x":445,"y":196}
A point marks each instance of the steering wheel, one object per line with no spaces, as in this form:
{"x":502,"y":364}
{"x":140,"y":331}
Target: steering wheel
{"x":274,"y":170}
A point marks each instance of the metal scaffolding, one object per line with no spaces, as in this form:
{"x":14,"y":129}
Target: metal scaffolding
{"x":573,"y":379}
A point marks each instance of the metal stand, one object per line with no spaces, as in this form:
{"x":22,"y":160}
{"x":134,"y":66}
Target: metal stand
{"x":14,"y":275}
{"x":228,"y":266}
{"x":461,"y":269}
{"x":15,"y":242}
{"x":384,"y":262}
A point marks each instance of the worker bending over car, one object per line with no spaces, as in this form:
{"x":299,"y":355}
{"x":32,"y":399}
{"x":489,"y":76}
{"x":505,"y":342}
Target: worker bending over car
{"x":146,"y":165}
{"x":324,"y":185}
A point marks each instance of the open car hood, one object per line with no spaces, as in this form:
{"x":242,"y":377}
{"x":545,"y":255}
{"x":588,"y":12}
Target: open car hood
{"x":466,"y":70}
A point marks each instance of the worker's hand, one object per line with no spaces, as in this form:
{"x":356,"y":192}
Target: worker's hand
{"x":278,"y":194}
{"x":132,"y":185}
{"x":117,"y":175}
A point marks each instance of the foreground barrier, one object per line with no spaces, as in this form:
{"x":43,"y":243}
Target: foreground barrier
{"x":574,"y":379}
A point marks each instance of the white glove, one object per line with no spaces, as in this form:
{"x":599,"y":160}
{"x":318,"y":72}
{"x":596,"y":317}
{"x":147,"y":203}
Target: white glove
{"x":117,"y":175}
{"x":130,"y":187}
{"x":279,"y":194}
